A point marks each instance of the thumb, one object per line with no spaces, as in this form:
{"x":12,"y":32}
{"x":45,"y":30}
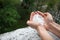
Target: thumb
{"x":32,"y":24}
{"x":29,"y":22}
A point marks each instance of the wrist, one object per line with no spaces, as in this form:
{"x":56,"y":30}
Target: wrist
{"x":37,"y":28}
{"x":50,"y":25}
{"x":40,"y":28}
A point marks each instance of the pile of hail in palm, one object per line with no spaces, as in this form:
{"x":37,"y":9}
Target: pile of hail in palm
{"x":38,"y":19}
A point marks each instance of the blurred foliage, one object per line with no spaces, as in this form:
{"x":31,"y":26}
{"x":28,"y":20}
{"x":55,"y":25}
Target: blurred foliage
{"x":8,"y":18}
{"x":15,"y":13}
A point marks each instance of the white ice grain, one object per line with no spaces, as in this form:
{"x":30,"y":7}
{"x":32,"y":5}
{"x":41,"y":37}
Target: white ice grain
{"x":38,"y":19}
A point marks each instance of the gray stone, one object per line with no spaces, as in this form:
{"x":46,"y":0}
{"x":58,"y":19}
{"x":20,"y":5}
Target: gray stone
{"x":24,"y":34}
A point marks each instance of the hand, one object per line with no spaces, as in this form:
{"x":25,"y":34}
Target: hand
{"x":33,"y":24}
{"x":40,"y":28}
{"x":44,"y":35}
{"x":48,"y":17}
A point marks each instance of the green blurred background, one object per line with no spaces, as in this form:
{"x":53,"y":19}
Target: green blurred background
{"x":15,"y":13}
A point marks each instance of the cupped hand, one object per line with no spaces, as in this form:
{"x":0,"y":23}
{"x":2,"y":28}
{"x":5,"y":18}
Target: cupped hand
{"x":48,"y":17}
{"x":34,"y":24}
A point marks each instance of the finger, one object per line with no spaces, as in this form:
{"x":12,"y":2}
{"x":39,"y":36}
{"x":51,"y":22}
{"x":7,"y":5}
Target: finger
{"x":40,"y":13}
{"x":31,"y":16}
{"x":47,"y":14}
{"x":32,"y":24}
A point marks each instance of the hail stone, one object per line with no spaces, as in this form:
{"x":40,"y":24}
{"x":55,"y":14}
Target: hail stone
{"x":38,"y":19}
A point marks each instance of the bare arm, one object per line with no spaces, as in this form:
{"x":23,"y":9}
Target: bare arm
{"x":44,"y":34}
{"x":41,"y":30}
{"x":51,"y":25}
{"x":54,"y":28}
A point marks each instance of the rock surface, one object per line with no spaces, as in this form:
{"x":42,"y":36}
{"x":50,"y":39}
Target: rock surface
{"x":23,"y":34}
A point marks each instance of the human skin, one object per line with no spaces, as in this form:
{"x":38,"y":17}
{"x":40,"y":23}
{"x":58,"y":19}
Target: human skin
{"x":51,"y":25}
{"x":40,"y":29}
